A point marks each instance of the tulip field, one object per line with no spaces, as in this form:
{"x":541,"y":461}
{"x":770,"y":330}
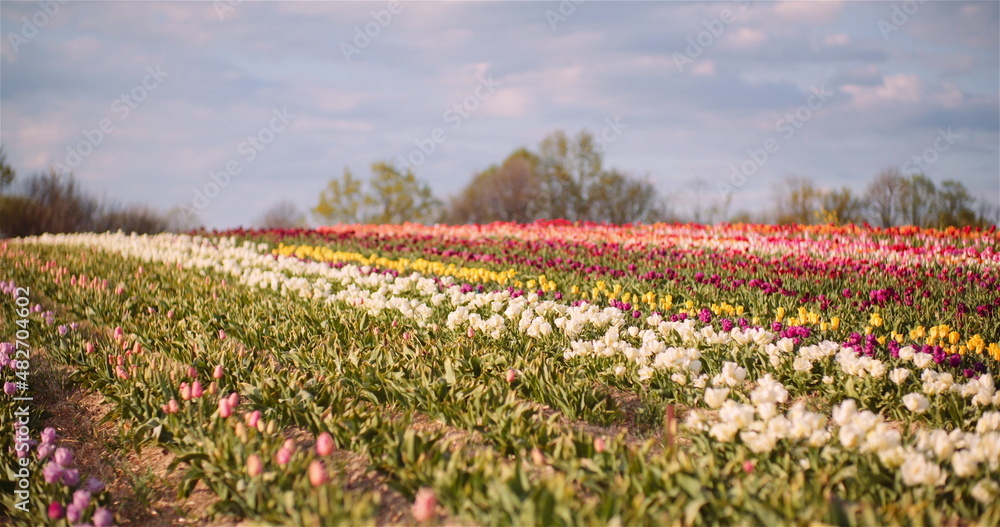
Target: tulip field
{"x":543,"y":374}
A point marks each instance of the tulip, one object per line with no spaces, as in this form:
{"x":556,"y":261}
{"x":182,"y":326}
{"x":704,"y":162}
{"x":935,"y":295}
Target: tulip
{"x":225,"y":409}
{"x":317,"y":473}
{"x":64,"y":457}
{"x":71,"y":477}
{"x":219,"y":372}
{"x":185,"y":391}
{"x":254,"y":466}
{"x":48,"y":435}
{"x":173,"y":406}
{"x":56,"y":511}
{"x":52,"y":472}
{"x":88,"y":347}
{"x":103,"y":518}
{"x":324,"y":444}
{"x":748,"y":466}
{"x":599,"y":444}
{"x":74,"y":512}
{"x":81,"y":498}
{"x":9,"y":388}
{"x":213,"y":388}
{"x":121,"y":373}
{"x":511,"y":375}
{"x":192,"y":372}
{"x":424,"y":504}
{"x":252,"y":418}
{"x":222,"y":334}
{"x":283,"y":456}
{"x":170,"y":313}
{"x":196,"y":390}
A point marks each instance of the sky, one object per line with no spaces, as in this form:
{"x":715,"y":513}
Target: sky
{"x":227,"y":108}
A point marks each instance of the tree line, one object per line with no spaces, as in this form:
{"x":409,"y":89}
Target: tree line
{"x":54,"y":202}
{"x":566,"y":178}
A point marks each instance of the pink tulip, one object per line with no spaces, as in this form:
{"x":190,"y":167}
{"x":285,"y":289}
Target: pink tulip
{"x":424,"y":504}
{"x":324,"y":444}
{"x":170,"y":313}
{"x":225,"y":409}
{"x":185,"y":391}
{"x":234,"y":399}
{"x":283,"y":456}
{"x":317,"y":473}
{"x":88,"y":347}
{"x":254,"y":466}
{"x":511,"y":376}
{"x":119,"y":333}
{"x":748,"y":466}
{"x":56,"y":510}
{"x":173,"y":406}
{"x":192,"y":371}
{"x":470,"y":333}
{"x":196,"y":390}
{"x":252,"y":418}
{"x":222,"y":334}
{"x":122,"y":374}
{"x":599,"y":444}
{"x":219,"y":372}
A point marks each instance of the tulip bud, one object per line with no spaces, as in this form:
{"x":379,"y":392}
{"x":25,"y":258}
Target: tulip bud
{"x":219,"y":372}
{"x":471,"y":332}
{"x":196,"y":390}
{"x":511,"y":375}
{"x":283,"y":456}
{"x":254,"y":465}
{"x":213,"y":388}
{"x":317,"y":473}
{"x":222,"y":334}
{"x":185,"y":391}
{"x":225,"y":409}
{"x":192,"y":371}
{"x":599,"y":444}
{"x":423,"y":505}
{"x":748,"y":466}
{"x":252,"y":418}
{"x":324,"y":444}
{"x":88,"y":347}
{"x":234,"y":399}
{"x":170,"y":313}
{"x":173,"y":406}
{"x":56,"y":510}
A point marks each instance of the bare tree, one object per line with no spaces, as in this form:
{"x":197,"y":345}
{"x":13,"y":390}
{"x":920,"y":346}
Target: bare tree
{"x":884,"y":196}
{"x":282,"y":215}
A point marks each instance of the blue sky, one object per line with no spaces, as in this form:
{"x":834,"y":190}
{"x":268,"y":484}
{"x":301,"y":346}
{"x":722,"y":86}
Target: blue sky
{"x":145,"y":101}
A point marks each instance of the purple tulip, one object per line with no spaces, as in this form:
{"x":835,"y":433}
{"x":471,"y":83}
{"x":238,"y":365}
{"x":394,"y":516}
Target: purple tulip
{"x":93,"y":485}
{"x":52,"y":472}
{"x":81,"y":498}
{"x":49,"y":435}
{"x":74,"y":512}
{"x":44,"y":450}
{"x":103,"y":518}
{"x":9,"y":388}
{"x":71,"y":477}
{"x":64,"y":457}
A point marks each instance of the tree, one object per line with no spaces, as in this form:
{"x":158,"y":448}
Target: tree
{"x":342,"y":200}
{"x":391,"y":197}
{"x":840,"y":207}
{"x":508,"y":192}
{"x":885,"y":196}
{"x":7,"y":173}
{"x":954,"y":205}
{"x":918,"y":200}
{"x":617,"y":198}
{"x":569,"y":168}
{"x":282,"y":215}
{"x":797,"y":200}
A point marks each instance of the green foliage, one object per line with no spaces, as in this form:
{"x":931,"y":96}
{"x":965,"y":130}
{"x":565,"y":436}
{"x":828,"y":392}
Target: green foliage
{"x":391,"y":196}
